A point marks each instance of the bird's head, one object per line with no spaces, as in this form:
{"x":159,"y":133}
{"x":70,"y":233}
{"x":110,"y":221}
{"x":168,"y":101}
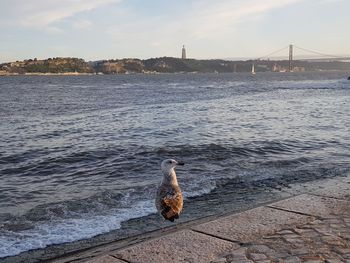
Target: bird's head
{"x":169,"y":164}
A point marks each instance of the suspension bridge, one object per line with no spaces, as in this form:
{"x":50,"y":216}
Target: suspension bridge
{"x":293,"y":54}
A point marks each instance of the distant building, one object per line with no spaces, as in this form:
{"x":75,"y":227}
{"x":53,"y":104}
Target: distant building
{"x":278,"y":68}
{"x":183,"y":55}
{"x":298,"y":69}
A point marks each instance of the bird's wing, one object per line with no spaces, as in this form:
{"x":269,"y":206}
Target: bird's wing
{"x":173,"y":202}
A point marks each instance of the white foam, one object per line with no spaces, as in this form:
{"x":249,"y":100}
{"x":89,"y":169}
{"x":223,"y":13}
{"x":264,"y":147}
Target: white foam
{"x":201,"y":189}
{"x":68,"y":230}
{"x":86,"y":226}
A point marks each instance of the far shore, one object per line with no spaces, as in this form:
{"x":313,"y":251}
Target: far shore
{"x":46,"y":74}
{"x":6,"y":74}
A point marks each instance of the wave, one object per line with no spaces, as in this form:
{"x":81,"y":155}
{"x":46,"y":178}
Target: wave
{"x":69,"y":229}
{"x":74,"y":220}
{"x":129,"y":176}
{"x":236,"y":149}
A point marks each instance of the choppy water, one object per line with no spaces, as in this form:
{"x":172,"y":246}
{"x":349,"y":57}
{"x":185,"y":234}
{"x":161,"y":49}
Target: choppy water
{"x":79,"y":156}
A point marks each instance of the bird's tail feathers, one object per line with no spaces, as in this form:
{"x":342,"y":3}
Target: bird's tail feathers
{"x":169,"y":214}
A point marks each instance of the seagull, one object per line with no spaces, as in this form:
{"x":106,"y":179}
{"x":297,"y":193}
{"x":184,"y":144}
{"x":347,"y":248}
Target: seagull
{"x":169,"y":199}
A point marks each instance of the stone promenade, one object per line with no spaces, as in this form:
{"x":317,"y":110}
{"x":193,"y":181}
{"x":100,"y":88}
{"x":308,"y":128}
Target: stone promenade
{"x":311,"y":227}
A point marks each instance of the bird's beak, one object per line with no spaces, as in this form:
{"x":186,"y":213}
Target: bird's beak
{"x":180,"y":163}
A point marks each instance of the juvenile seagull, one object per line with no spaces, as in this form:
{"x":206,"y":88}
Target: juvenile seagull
{"x":169,"y":199}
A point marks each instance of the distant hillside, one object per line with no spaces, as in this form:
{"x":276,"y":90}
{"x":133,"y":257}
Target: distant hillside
{"x":168,"y":65}
{"x":118,"y":66}
{"x":176,"y":65}
{"x":159,"y":65}
{"x":51,"y":65}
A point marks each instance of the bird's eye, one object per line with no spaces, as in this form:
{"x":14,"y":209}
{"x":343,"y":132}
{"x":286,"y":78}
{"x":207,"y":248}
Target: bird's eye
{"x":169,"y":161}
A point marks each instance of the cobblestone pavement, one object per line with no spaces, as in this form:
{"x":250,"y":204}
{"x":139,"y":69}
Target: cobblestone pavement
{"x":322,"y":240}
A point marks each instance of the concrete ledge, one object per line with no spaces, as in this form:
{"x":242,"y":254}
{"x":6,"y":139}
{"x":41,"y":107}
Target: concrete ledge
{"x":249,"y":225}
{"x":314,"y":205}
{"x":336,"y":188}
{"x":105,"y":259}
{"x":182,"y":246}
{"x":303,"y":228}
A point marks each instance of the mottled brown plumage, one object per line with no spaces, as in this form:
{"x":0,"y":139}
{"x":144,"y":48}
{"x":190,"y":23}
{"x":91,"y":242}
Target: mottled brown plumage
{"x":169,"y":200}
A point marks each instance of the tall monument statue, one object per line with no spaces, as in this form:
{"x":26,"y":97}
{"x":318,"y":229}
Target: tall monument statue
{"x":183,"y":56}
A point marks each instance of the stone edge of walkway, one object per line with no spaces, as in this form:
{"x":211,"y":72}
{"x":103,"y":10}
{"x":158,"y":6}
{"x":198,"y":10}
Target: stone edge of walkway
{"x":235,"y":229}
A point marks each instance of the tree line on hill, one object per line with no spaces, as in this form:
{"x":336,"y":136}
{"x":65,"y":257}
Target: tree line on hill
{"x":160,"y":65}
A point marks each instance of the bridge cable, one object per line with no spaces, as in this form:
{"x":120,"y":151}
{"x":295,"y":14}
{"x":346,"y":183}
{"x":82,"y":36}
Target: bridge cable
{"x":318,"y":53}
{"x":272,"y":53}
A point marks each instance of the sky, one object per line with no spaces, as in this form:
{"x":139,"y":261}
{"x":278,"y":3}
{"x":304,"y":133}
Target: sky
{"x":105,"y":29}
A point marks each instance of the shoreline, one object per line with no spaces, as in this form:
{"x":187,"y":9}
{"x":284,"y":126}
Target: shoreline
{"x":309,"y":227}
{"x":82,"y":250}
{"x":47,"y":74}
{"x":7,"y":74}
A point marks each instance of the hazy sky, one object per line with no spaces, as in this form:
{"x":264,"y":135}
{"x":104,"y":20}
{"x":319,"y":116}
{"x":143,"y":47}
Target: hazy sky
{"x":100,"y":29}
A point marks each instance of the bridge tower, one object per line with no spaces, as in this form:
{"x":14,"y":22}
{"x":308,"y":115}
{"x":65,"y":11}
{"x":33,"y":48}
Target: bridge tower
{"x":290,"y":69}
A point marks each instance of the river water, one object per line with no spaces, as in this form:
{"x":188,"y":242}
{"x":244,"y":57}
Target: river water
{"x":80,"y":155}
